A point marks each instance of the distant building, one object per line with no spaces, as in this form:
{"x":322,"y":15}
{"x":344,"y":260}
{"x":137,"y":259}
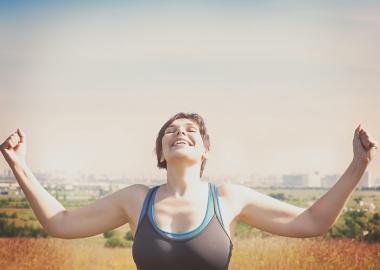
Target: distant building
{"x":295,"y":180}
{"x":376,"y":182}
{"x":366,"y":181}
{"x":315,"y":179}
{"x":7,"y":174}
{"x":263,"y":181}
{"x":4,"y":188}
{"x":10,"y":188}
{"x":329,"y":180}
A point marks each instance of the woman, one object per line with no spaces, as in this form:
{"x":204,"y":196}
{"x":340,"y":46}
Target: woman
{"x":171,"y":225}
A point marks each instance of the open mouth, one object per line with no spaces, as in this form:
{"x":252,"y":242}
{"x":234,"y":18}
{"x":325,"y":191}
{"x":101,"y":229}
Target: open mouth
{"x":180,"y":143}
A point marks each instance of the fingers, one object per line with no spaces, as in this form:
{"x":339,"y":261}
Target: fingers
{"x":14,"y":139}
{"x":357,"y":131}
{"x":366,"y":139}
{"x":22,"y":135}
{"x":357,"y":139}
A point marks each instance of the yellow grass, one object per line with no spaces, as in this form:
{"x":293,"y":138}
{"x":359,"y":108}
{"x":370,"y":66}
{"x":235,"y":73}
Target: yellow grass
{"x":256,"y":253}
{"x":29,"y":253}
{"x":310,"y":253}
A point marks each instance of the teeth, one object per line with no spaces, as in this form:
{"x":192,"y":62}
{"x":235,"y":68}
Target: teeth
{"x":180,"y":142}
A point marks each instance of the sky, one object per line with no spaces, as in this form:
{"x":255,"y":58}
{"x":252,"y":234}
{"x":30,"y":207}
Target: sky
{"x":282,"y":85}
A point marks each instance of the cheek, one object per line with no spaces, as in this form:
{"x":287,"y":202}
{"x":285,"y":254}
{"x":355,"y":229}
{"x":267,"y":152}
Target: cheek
{"x":165,"y":143}
{"x":200,"y":142}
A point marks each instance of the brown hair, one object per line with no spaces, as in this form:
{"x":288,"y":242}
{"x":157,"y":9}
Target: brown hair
{"x":202,"y":128}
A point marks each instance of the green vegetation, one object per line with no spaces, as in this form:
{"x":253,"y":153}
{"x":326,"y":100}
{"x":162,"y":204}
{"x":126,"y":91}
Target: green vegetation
{"x":117,"y":242}
{"x":128,"y":236}
{"x":109,"y":234}
{"x":11,"y":230}
{"x":14,"y":202}
{"x":114,"y":239}
{"x":279,"y":196}
{"x":356,"y":222}
{"x":5,"y":215}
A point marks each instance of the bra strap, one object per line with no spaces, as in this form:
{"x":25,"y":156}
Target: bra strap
{"x":146,"y":202}
{"x":216,"y":203}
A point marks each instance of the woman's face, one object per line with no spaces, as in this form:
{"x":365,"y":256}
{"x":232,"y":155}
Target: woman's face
{"x":182,"y":140}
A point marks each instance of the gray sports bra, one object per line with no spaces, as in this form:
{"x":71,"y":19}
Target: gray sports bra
{"x":207,"y":247}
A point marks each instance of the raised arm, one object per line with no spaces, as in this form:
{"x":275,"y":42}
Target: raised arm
{"x":277,"y":217}
{"x":326,"y":210}
{"x":102,"y":215}
{"x":268,"y":214}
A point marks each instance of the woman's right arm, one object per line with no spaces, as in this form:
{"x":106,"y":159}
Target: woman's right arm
{"x":104,"y":214}
{"x":100,"y":216}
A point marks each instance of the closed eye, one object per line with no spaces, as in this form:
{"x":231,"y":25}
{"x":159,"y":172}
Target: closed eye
{"x":190,"y":130}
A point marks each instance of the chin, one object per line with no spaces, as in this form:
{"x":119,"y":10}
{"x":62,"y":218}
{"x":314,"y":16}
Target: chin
{"x":183,"y":156}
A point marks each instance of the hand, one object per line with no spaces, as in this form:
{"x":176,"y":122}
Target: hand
{"x":14,"y":147}
{"x":364,"y":146}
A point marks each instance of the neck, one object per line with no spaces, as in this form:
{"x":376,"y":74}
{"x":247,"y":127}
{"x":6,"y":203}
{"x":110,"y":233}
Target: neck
{"x":183,"y":180}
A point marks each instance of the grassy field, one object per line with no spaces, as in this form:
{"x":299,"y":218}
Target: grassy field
{"x":256,"y":253}
{"x":271,"y":252}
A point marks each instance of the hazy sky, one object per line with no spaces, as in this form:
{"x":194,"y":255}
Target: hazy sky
{"x":281,"y":86}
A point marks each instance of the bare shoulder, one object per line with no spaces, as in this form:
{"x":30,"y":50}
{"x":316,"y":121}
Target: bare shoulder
{"x":231,"y":196}
{"x":132,"y":197}
{"x":231,"y":191}
{"x":237,"y":197}
{"x":236,"y":192}
{"x":227,"y":188}
{"x":135,"y":190}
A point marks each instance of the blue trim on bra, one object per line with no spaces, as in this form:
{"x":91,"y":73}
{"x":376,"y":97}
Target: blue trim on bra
{"x":145,"y":205}
{"x":207,"y":218}
{"x":217,"y":201}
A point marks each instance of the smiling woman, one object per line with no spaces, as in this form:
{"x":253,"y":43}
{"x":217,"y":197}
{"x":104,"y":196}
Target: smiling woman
{"x":186,"y":223}
{"x":189,"y":232}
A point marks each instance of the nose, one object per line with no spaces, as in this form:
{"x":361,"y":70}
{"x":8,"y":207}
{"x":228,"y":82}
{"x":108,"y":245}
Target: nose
{"x":180,"y":130}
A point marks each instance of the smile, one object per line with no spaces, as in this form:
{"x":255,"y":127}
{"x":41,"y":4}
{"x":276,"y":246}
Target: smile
{"x":181,"y":142}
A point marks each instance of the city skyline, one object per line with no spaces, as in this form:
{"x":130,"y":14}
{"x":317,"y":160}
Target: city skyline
{"x":314,"y":180}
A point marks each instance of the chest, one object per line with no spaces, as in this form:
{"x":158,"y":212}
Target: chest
{"x":179,"y":216}
{"x":209,"y":250}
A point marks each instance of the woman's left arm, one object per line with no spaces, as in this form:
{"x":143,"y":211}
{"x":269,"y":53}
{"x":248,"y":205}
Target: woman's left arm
{"x":325,"y":211}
